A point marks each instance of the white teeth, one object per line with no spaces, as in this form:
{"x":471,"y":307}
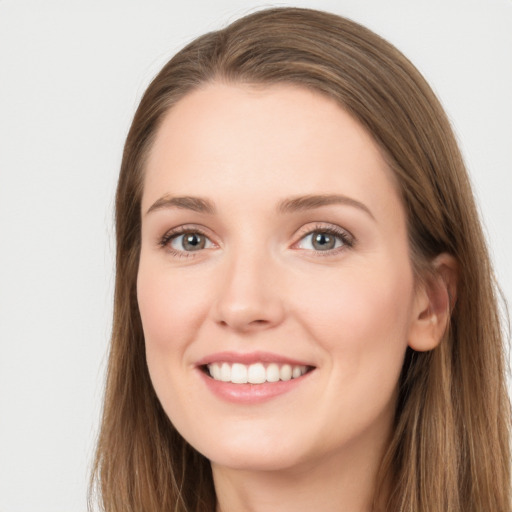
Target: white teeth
{"x":296,"y":372}
{"x":215,"y":371}
{"x":273,"y":372}
{"x":256,"y":373}
{"x":286,"y":372}
{"x":239,"y":373}
{"x":225,"y":372}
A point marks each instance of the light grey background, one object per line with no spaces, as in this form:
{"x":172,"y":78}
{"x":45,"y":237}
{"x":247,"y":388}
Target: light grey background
{"x":71,"y":74}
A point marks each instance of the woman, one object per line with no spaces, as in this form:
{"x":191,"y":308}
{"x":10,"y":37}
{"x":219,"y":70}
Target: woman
{"x":305,"y":312}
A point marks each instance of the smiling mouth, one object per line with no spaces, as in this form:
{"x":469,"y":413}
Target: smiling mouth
{"x":256,"y":373}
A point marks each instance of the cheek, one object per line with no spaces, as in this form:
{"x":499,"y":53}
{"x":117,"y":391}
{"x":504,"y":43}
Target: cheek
{"x":170,"y":307}
{"x":361,"y":318}
{"x":361,"y":325}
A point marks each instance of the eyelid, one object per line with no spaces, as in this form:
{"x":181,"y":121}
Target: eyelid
{"x":348,"y":240}
{"x":165,"y":240}
{"x":346,"y":237}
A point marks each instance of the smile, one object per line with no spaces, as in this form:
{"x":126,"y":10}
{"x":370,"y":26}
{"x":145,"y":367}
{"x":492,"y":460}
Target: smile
{"x":256,"y":373}
{"x":252,"y":378}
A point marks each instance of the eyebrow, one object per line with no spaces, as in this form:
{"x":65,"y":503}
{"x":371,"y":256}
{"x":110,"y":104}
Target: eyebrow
{"x":291,"y":205}
{"x":311,"y":202}
{"x":196,"y":204}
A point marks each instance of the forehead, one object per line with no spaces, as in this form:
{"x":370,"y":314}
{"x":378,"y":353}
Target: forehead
{"x":280,"y":139}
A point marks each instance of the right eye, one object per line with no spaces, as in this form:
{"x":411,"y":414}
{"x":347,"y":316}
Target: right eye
{"x":189,"y":242}
{"x":185,"y":241}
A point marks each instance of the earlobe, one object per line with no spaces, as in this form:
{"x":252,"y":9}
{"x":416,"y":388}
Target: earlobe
{"x":434,"y":302}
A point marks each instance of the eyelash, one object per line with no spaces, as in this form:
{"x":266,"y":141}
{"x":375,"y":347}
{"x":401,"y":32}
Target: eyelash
{"x":165,"y":241}
{"x":347,"y":240}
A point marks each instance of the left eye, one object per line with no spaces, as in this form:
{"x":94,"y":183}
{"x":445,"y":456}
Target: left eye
{"x":190,"y":242}
{"x":321,"y":241}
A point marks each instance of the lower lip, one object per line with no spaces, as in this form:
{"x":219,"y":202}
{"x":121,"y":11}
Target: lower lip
{"x":251,"y":393}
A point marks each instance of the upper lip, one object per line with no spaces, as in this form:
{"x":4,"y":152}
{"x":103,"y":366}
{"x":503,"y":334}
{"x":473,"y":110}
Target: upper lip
{"x":250,"y":358}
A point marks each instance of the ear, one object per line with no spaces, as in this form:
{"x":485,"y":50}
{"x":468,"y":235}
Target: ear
{"x":434,"y":301}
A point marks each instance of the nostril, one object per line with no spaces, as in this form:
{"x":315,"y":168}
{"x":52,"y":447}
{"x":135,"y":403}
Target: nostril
{"x":252,"y":323}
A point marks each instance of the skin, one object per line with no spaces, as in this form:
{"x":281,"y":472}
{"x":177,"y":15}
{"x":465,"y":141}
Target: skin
{"x":259,"y":284}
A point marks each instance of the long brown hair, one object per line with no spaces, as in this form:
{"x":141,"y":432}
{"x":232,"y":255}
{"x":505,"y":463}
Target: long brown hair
{"x":450,"y":447}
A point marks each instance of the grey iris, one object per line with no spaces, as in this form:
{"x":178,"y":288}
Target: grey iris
{"x":323,"y":241}
{"x":193,"y":242}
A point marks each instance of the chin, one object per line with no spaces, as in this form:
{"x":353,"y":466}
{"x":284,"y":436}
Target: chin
{"x":255,"y":460}
{"x":252,"y":451}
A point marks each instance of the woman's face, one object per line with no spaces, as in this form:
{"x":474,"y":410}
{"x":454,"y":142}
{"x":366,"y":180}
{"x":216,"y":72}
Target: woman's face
{"x":274,"y":251}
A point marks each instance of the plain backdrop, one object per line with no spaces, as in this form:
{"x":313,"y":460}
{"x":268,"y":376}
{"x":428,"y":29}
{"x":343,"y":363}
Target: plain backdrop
{"x":71,"y":75}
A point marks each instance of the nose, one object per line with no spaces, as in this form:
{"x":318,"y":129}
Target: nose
{"x":249,"y":297}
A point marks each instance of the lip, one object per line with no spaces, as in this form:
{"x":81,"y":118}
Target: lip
{"x":250,"y":393}
{"x":250,"y":358}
